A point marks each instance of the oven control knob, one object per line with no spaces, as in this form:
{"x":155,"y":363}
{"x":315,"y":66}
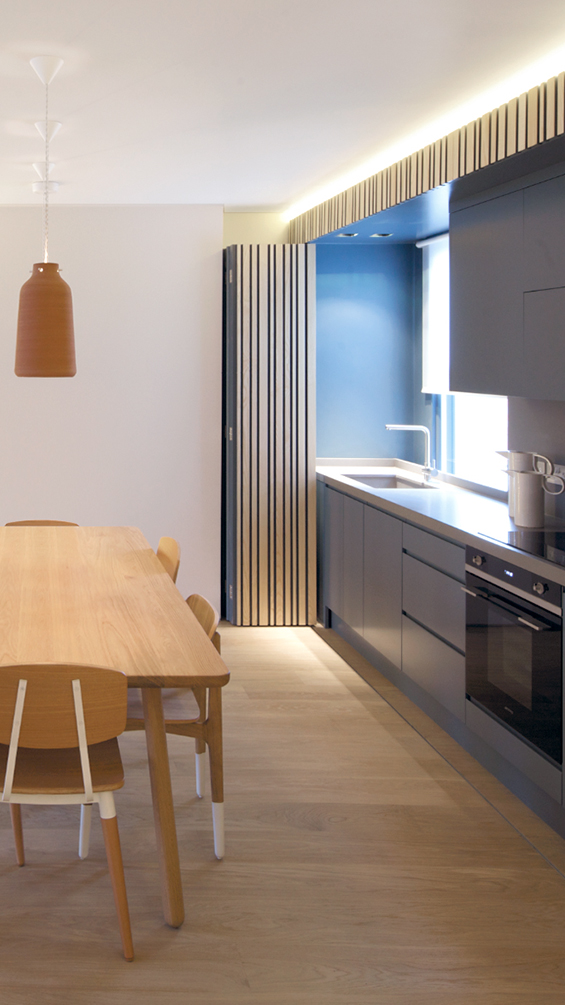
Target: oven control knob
{"x":478,"y":560}
{"x":539,"y":588}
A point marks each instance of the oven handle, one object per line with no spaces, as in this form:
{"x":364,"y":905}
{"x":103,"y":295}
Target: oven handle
{"x":537,"y":628}
{"x":509,"y":608}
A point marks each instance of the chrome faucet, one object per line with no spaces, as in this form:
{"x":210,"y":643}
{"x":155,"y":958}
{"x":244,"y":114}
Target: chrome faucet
{"x":429,"y":465}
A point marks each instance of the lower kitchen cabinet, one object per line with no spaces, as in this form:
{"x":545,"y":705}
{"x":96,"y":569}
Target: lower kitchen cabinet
{"x":435,"y":666}
{"x":434,"y":599}
{"x":333,"y":552}
{"x":382,"y":584}
{"x":353,"y":562}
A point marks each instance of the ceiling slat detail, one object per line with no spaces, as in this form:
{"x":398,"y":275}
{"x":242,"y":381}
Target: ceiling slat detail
{"x":536,"y":116}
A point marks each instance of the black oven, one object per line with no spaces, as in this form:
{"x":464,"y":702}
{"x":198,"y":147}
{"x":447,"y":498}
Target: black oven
{"x":514,"y":650}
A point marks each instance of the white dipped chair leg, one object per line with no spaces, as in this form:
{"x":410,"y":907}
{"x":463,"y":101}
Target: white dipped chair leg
{"x":200,"y":765}
{"x":219,"y":833}
{"x":84,"y":836}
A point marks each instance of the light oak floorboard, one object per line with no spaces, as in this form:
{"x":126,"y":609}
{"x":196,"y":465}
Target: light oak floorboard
{"x":362,"y":867}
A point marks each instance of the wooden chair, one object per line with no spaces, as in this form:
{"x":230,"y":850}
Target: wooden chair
{"x":168,"y":553}
{"x":40,"y":523}
{"x":195,"y":713}
{"x":58,"y":729}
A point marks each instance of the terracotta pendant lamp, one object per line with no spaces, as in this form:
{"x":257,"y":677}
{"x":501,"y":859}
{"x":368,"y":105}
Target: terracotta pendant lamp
{"x":46,"y":342}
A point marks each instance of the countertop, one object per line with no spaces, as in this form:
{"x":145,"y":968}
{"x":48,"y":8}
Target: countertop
{"x":452,"y":512}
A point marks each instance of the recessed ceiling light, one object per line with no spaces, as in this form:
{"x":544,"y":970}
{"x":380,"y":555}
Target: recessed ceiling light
{"x":381,"y":235}
{"x":348,"y":234}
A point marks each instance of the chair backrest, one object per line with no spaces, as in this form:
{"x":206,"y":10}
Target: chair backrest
{"x":40,"y":523}
{"x":49,"y":716}
{"x":205,"y":613}
{"x":168,"y":553}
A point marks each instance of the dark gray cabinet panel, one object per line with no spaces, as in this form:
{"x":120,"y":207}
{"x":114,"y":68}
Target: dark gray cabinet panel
{"x":515,"y":750}
{"x":353,"y":563}
{"x":437,"y":668}
{"x":544,"y":343}
{"x":435,"y":600}
{"x":544,"y":235}
{"x":434,"y":550}
{"x":486,"y":286}
{"x":382,"y":580}
{"x":333,"y":558}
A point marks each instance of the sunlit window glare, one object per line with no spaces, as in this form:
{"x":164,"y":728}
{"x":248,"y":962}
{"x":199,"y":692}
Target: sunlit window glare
{"x":473,"y":427}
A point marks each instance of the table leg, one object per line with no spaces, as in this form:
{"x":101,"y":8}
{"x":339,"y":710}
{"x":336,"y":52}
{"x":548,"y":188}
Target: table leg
{"x":162,"y":795}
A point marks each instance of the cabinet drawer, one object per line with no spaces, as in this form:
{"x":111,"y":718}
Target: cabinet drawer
{"x":435,"y":600}
{"x":437,"y":668}
{"x":435,"y":551}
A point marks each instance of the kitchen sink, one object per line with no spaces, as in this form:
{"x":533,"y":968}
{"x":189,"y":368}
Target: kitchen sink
{"x":389,"y":482}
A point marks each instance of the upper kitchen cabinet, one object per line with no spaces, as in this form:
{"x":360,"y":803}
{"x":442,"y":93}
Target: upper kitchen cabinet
{"x":486,"y":296}
{"x":544,"y":235}
{"x":507,"y":261}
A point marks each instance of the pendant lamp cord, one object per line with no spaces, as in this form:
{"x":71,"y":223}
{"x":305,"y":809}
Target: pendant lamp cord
{"x":46,"y":181}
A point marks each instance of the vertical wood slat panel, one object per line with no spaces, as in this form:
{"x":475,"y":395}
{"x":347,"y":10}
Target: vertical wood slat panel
{"x":243,"y":433}
{"x":534,"y":117}
{"x":275,"y":467}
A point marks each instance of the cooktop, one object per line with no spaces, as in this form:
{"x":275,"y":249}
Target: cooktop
{"x":546,"y":542}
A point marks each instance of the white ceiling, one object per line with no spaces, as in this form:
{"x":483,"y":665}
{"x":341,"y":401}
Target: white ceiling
{"x":247,"y":103}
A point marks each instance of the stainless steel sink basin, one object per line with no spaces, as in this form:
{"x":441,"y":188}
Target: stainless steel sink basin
{"x":389,"y":482}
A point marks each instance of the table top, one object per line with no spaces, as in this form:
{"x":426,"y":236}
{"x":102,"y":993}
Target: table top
{"x":99,"y":596}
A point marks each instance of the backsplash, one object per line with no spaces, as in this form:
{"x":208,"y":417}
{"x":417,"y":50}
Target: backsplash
{"x":540,"y":426}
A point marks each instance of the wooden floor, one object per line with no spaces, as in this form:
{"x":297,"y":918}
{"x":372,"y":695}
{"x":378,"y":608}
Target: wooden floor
{"x":369,"y":860}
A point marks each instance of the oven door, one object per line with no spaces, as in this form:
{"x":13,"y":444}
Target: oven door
{"x":513,"y":664}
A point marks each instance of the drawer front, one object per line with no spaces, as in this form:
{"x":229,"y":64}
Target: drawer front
{"x":437,"y":668}
{"x":448,"y":557}
{"x":437,"y":601}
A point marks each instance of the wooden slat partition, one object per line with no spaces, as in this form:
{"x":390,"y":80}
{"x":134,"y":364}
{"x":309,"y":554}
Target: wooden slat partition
{"x":533,"y":117}
{"x":270,"y":459}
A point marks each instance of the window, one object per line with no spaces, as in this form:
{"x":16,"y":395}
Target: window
{"x":469,"y":428}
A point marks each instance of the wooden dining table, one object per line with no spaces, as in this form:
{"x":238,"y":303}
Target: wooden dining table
{"x":100,"y":596}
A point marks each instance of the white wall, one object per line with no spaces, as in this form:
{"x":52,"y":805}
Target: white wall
{"x":254,"y":228}
{"x":135,"y":437}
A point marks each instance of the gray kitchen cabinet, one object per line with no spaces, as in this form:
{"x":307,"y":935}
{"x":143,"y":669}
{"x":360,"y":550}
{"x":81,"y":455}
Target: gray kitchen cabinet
{"x":486,"y":287}
{"x":544,"y":235}
{"x":436,"y":667}
{"x":544,"y":343}
{"x":333,"y":551}
{"x":435,"y":600}
{"x":435,"y":551}
{"x":353,"y":563}
{"x":507,"y":290}
{"x":433,"y":621}
{"x":382,"y":584}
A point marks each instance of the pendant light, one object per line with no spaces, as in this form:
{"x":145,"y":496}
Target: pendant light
{"x":45,"y":344}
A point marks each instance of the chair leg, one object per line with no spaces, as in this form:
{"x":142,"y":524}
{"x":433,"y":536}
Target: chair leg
{"x":84,"y":835}
{"x":215,"y":750}
{"x":116,"y":867}
{"x":200,"y":757}
{"x":16,"y":814}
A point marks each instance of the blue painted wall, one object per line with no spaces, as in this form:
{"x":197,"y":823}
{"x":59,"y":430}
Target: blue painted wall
{"x":368,"y":350}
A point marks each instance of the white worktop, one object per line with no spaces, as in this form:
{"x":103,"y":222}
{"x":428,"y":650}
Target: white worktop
{"x":457,"y":513}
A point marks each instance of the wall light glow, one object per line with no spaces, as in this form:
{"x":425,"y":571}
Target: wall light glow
{"x":536,"y":73}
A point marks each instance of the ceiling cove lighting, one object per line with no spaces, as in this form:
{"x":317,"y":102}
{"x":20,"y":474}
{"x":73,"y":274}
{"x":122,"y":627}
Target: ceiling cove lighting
{"x":530,"y":76}
{"x":45,"y":344}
